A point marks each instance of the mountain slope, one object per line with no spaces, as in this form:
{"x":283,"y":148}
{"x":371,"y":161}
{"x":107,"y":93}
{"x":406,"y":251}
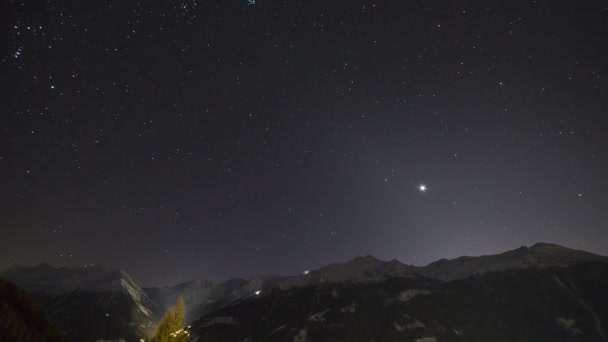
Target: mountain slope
{"x":196,"y":293}
{"x":203,"y":297}
{"x":539,"y":255}
{"x":360,"y":269}
{"x":21,"y":319}
{"x":90,"y":302}
{"x":533,"y":304}
{"x":541,"y":293}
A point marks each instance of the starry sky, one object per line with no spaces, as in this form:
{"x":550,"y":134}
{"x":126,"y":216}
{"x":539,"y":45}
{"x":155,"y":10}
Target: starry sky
{"x":187,"y":139}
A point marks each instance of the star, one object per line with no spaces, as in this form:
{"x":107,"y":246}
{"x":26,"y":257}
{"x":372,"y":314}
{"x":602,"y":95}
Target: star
{"x":422,"y":188}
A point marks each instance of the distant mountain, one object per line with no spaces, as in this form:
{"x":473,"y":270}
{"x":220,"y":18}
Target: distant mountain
{"x":539,"y":255}
{"x":202,"y":297}
{"x":21,"y":319}
{"x":541,"y":293}
{"x":89,"y":302}
{"x":360,"y":269}
{"x":531,"y":304}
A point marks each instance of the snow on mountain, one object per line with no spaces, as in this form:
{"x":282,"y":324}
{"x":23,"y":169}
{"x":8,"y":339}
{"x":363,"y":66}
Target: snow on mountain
{"x":90,"y":303}
{"x":104,"y":288}
{"x":48,"y":279}
{"x":45,"y":279}
{"x":195,"y":293}
{"x":370,"y":269}
{"x":201,"y":296}
{"x":564,"y":303}
{"x":360,"y":269}
{"x":540,"y":255}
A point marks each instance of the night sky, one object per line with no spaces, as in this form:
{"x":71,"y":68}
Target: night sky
{"x":220,"y":138}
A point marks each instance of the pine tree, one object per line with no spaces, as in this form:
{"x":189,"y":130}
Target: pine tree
{"x":171,"y":327}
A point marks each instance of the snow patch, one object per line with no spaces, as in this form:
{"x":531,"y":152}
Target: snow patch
{"x":351,"y":308}
{"x":276,"y":330}
{"x":221,"y":320}
{"x":139,"y":297}
{"x":407,"y":295}
{"x":302,"y":336}
{"x":414,"y":323}
{"x":568,"y":325}
{"x":318,"y":317}
{"x":360,"y":269}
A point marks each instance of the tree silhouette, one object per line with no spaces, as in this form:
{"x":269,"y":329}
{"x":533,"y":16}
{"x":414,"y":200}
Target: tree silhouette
{"x":171,"y":327}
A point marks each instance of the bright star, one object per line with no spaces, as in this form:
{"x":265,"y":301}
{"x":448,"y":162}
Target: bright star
{"x":422,"y":188}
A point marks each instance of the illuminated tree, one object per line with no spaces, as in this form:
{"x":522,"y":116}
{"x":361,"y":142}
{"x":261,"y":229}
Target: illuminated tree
{"x":171,"y":327}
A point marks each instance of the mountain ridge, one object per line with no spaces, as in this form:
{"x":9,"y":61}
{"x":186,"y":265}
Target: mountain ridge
{"x":89,"y":301}
{"x":110,"y":293}
{"x":357,"y":260}
{"x":528,"y":304}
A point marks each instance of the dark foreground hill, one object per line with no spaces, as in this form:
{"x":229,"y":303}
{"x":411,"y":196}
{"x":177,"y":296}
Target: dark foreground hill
{"x":550,"y":304}
{"x":21,"y":319}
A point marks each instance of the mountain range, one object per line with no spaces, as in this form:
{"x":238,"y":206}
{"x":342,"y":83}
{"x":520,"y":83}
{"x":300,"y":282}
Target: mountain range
{"x":544,"y":292}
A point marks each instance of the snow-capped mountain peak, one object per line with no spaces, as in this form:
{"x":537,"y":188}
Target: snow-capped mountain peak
{"x":51,"y":280}
{"x":539,"y":255}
